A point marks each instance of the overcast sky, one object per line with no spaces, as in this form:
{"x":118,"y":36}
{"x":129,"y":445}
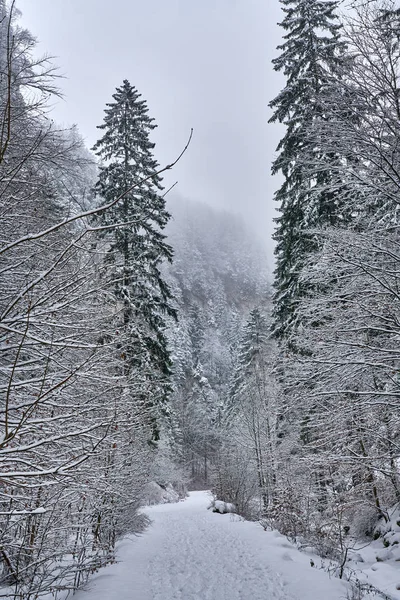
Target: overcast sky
{"x":204,"y":64}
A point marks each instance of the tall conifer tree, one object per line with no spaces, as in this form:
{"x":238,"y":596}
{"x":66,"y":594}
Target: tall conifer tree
{"x":137,"y":248}
{"x":311,"y":58}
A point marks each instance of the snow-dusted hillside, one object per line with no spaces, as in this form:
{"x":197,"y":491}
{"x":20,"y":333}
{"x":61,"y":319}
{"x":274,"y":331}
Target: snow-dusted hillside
{"x":218,"y":275}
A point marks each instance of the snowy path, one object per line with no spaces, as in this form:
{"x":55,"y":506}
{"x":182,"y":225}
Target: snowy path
{"x":190,"y":553}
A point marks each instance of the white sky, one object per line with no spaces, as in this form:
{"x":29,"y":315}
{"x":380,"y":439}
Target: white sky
{"x":204,"y":64}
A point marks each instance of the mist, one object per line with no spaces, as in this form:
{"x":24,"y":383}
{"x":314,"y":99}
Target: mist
{"x":205,"y":66}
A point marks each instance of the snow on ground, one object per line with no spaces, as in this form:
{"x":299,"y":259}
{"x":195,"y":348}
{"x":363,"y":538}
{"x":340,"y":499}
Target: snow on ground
{"x":221,"y":507}
{"x":190,"y":553}
{"x":377,"y":563}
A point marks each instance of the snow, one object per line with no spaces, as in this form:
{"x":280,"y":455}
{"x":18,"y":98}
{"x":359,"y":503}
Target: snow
{"x":377,"y":563}
{"x":222,"y":507}
{"x":191,"y":553}
{"x":35,"y":511}
{"x":154,"y":493}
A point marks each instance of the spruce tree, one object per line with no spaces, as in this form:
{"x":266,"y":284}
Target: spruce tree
{"x":252,"y":409}
{"x":137,"y":248}
{"x":311,"y":58}
{"x":251,"y":359}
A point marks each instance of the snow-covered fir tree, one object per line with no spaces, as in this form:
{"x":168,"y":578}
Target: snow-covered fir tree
{"x":350,"y":328}
{"x":311,"y":56}
{"x":137,"y":247}
{"x":341,"y":425}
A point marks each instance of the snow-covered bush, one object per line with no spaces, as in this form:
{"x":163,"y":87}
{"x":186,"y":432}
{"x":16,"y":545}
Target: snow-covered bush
{"x":155,"y":493}
{"x":235,"y":481}
{"x":221,"y":507}
{"x":389,"y":530}
{"x":167,"y":473}
{"x":364,"y":522}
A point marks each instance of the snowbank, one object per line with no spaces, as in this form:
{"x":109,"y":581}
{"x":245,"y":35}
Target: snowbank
{"x":377,"y":563}
{"x":219,"y":506}
{"x":155,"y":493}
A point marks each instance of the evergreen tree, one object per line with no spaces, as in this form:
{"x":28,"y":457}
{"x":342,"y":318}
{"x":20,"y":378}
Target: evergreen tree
{"x":251,"y":415}
{"x":137,"y":248}
{"x":251,"y":354}
{"x":311,"y":58}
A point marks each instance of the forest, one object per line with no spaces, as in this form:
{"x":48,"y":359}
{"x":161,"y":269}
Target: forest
{"x":147,"y":352}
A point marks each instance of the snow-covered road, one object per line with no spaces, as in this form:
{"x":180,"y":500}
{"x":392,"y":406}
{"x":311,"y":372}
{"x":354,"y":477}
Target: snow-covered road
{"x":190,"y":553}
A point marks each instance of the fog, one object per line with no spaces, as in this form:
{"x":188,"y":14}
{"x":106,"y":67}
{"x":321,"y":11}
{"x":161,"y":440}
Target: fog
{"x":205,"y":65}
